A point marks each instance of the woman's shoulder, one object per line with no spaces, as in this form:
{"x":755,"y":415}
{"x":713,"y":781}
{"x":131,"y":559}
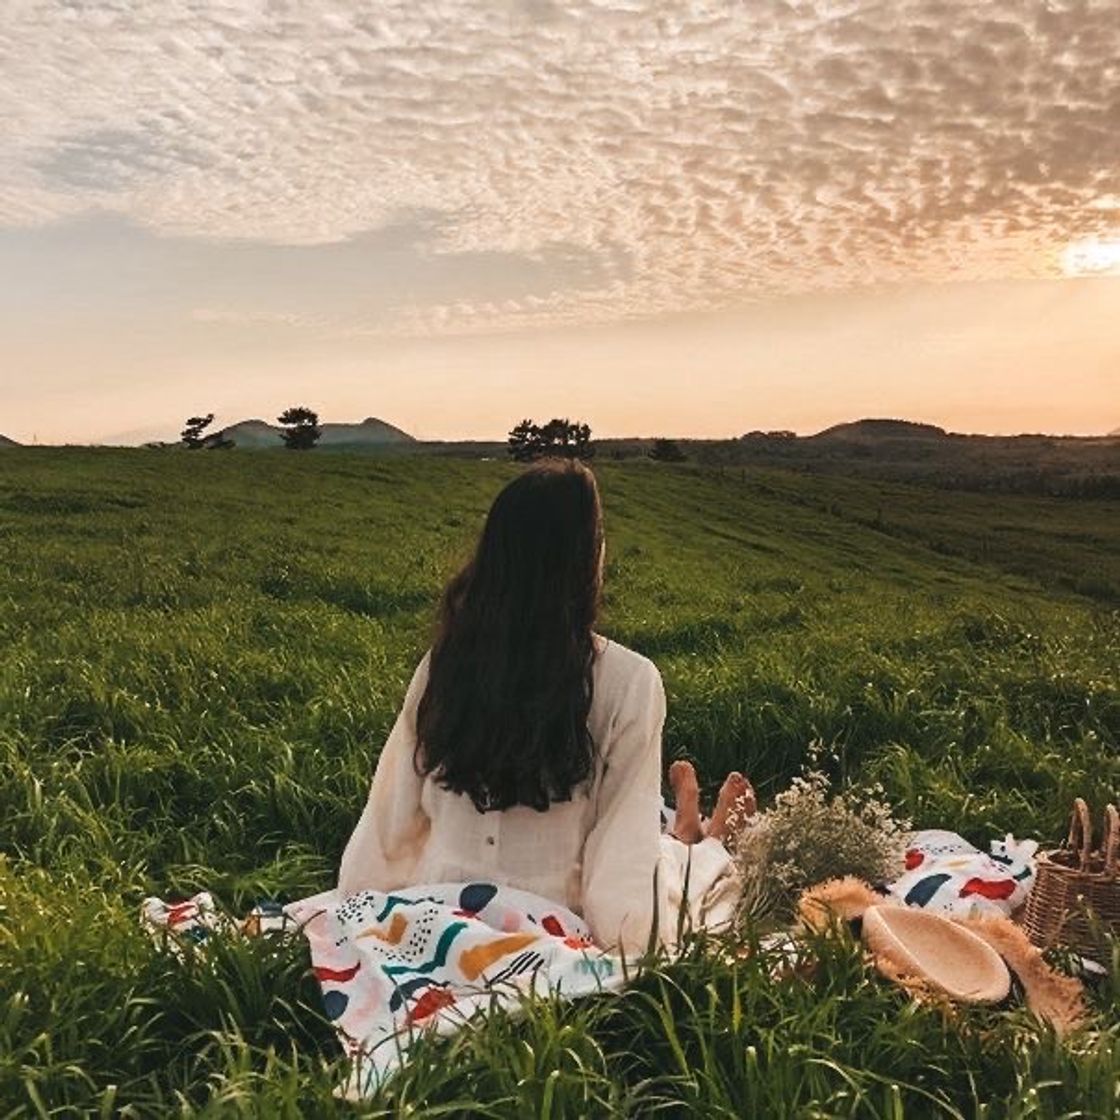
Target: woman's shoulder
{"x":628,"y":693}
{"x":419,"y":680}
{"x":619,"y":665}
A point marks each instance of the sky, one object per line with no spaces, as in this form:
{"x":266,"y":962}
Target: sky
{"x":665,"y":217}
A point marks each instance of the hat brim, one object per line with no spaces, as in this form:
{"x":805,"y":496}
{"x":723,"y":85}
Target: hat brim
{"x":938,"y":952}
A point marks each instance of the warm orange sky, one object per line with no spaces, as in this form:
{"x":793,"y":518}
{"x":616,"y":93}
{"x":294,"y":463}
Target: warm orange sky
{"x":667,"y":218}
{"x":993,"y":357}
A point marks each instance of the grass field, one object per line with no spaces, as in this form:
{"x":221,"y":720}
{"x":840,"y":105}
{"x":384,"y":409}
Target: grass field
{"x":201,"y":654}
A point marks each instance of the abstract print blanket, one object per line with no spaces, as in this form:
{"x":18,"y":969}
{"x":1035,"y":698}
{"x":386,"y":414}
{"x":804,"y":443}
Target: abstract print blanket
{"x":393,"y":966}
{"x":946,"y":874}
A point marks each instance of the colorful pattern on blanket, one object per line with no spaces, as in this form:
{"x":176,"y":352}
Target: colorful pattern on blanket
{"x":946,"y":874}
{"x":195,"y":920}
{"x":426,"y":959}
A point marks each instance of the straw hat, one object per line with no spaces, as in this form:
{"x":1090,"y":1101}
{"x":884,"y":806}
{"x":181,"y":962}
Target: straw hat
{"x":945,"y":955}
{"x":969,"y":960}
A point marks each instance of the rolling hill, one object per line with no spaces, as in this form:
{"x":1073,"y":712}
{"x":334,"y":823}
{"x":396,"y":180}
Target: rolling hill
{"x":5,"y":442}
{"x":904,"y":451}
{"x":882,"y":429}
{"x":258,"y":434}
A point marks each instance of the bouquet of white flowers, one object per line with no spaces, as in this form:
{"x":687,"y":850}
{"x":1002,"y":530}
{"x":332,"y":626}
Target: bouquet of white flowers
{"x":810,"y":835}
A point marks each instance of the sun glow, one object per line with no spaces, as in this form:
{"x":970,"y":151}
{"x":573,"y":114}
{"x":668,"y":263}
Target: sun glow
{"x":1092,"y":257}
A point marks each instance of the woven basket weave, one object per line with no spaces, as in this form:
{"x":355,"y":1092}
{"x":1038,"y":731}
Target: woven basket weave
{"x":1075,"y":899}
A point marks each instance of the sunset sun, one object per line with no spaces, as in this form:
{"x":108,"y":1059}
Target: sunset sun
{"x":1092,"y":257}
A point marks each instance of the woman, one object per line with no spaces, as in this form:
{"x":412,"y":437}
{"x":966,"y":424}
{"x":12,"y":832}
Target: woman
{"x":528,"y":749}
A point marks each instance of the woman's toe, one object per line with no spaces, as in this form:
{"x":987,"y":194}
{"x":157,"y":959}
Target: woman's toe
{"x":736,"y":802}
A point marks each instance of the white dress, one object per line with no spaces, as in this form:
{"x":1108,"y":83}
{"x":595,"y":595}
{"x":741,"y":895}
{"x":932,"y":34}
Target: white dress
{"x":602,"y":854}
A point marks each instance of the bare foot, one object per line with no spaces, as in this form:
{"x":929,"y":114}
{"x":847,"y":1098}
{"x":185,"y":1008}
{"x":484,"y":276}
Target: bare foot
{"x":736,"y":802}
{"x":686,"y":792}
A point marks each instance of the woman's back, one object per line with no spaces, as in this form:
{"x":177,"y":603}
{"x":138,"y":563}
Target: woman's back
{"x":595,"y":853}
{"x":528,"y":750}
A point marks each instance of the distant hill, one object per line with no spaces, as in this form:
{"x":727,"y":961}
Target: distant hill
{"x":5,"y":442}
{"x":256,"y":434}
{"x":248,"y":433}
{"x":903,"y":451}
{"x":882,"y":429}
{"x":1115,"y":432}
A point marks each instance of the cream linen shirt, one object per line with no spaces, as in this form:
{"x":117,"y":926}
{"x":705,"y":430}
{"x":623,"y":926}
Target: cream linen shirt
{"x":596,"y":853}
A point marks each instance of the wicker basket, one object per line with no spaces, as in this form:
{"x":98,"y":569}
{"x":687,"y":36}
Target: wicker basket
{"x":1076,"y":894}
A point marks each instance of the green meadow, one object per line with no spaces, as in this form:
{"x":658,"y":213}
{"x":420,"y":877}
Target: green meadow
{"x":200,"y":655}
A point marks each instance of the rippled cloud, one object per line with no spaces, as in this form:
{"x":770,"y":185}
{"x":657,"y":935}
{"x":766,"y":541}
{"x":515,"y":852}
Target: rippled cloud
{"x":618,"y":158}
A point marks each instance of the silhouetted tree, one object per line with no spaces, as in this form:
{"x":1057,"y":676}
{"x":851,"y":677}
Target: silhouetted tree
{"x":301,"y":428}
{"x":566,"y":439}
{"x":191,"y":435}
{"x":560,"y":437}
{"x":524,"y":439}
{"x":667,"y":451}
{"x":776,"y":434}
{"x":556,"y":438}
{"x":582,"y":447}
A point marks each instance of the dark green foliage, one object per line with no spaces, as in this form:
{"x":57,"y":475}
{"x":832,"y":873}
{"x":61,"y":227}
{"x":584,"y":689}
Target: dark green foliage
{"x":667,"y":451}
{"x":561,"y":438}
{"x":192,"y":435}
{"x":523,"y":441}
{"x":201,"y":655}
{"x":301,"y":428}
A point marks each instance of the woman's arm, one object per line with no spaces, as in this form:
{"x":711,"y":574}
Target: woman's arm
{"x":385,"y":847}
{"x":622,"y":849}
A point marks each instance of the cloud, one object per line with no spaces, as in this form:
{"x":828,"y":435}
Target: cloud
{"x":106,"y":266}
{"x":652,"y":155}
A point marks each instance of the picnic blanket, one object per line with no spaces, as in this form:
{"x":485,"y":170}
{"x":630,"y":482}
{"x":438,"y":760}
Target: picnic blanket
{"x":948,"y":875}
{"x":393,"y":966}
{"x":426,"y":959}
{"x":194,"y":920}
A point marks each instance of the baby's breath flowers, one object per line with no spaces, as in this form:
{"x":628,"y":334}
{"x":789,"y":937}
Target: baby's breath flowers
{"x":812,"y":834}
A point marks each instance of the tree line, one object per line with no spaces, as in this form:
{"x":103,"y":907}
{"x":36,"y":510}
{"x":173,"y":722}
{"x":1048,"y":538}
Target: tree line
{"x":528,"y":441}
{"x":300,"y":431}
{"x":565,"y":439}
{"x":568,"y":439}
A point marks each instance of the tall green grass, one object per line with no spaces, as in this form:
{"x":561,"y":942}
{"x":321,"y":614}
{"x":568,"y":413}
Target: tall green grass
{"x":200,"y":656}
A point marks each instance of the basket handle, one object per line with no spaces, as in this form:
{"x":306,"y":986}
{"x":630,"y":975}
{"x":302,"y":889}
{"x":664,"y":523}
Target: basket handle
{"x":1110,"y":840}
{"x":1080,"y":841}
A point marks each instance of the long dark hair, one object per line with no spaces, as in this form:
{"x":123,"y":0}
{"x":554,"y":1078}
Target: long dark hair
{"x":504,"y":716}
